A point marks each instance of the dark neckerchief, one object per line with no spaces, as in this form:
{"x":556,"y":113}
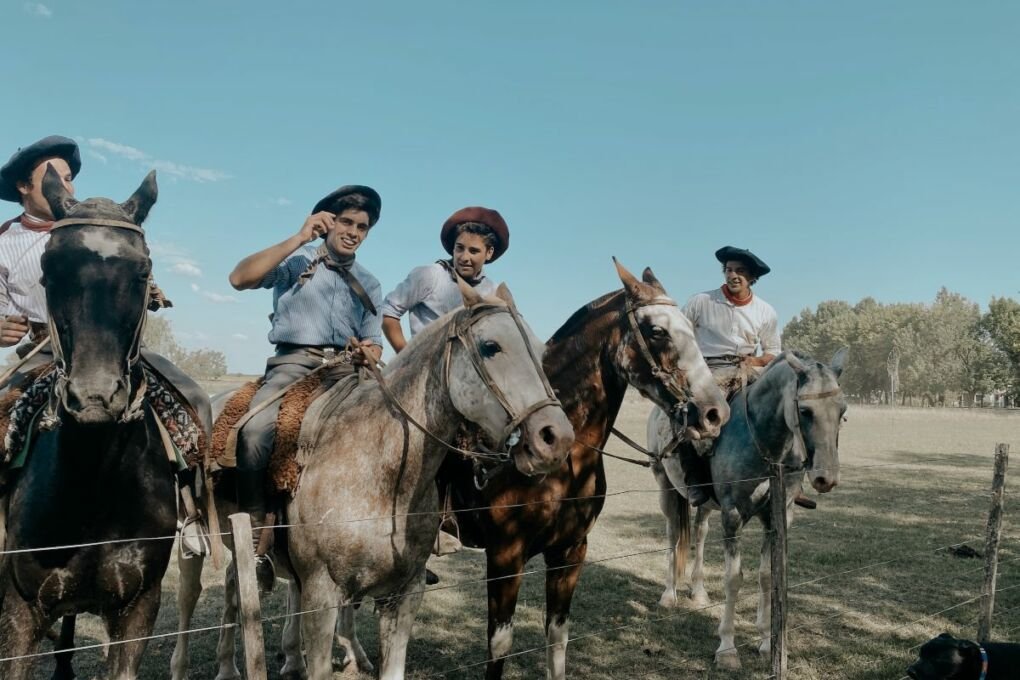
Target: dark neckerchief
{"x":341,"y":265}
{"x":452,"y":271}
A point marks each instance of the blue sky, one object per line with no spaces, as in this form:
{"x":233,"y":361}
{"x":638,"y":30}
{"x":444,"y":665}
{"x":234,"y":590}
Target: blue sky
{"x":865,"y":148}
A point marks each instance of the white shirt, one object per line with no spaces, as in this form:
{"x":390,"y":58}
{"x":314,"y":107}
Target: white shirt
{"x":722,"y":328}
{"x":428,"y":293}
{"x":21,"y":289}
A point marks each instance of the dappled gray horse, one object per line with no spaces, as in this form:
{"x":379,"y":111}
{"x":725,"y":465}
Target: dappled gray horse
{"x":365,"y":515}
{"x":791,"y":416}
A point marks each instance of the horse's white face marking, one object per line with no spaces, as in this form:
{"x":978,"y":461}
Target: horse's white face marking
{"x":502,"y":640}
{"x":101,"y":243}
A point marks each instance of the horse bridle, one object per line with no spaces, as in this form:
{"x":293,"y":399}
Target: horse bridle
{"x":809,"y":456}
{"x":135,"y":408}
{"x":461,"y":332}
{"x":674,"y":381}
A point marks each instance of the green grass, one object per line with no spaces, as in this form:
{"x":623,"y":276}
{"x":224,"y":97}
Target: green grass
{"x":912,"y":481}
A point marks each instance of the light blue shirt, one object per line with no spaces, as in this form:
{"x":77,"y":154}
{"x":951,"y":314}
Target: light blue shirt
{"x":324,"y":311}
{"x":428,"y":293}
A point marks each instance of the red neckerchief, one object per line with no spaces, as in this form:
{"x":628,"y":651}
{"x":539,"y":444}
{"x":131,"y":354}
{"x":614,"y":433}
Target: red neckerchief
{"x":28,"y":222}
{"x":735,"y":301}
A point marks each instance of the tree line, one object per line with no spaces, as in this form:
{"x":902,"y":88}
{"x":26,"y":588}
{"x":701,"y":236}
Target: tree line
{"x":203,"y":364}
{"x":949,"y":352}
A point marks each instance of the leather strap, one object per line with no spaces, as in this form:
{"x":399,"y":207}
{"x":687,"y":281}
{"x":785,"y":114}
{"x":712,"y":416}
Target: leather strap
{"x":95,"y":222}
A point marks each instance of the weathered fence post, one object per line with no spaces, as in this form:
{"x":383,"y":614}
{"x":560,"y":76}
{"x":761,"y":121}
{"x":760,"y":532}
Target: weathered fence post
{"x":248,"y":598}
{"x":777,"y":506}
{"x":992,"y":535}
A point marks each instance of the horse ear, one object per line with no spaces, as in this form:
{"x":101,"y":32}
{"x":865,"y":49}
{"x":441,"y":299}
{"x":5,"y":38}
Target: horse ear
{"x":795,"y":363}
{"x":56,"y":194}
{"x":470,"y":295}
{"x":630,"y":282}
{"x":839,"y":360}
{"x":503,"y":293}
{"x":138,"y":205}
{"x":649,"y":277}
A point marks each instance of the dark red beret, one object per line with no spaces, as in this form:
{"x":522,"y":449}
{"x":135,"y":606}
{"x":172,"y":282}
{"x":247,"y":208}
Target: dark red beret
{"x":490,"y":218}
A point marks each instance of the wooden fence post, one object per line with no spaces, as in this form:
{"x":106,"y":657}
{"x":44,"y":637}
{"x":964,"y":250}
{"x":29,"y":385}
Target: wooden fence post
{"x":777,"y":506}
{"x":248,"y":598}
{"x":992,"y":536}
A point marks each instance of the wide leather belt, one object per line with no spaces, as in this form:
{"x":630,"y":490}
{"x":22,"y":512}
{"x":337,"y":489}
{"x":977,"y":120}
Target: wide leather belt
{"x":318,"y":354}
{"x":724,"y":360}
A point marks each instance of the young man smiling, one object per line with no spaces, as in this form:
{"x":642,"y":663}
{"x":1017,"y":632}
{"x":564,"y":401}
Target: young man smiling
{"x":473,"y":237}
{"x":322,"y":301}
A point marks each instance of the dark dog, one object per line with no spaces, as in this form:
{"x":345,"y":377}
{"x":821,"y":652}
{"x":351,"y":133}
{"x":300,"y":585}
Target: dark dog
{"x":946,"y":658}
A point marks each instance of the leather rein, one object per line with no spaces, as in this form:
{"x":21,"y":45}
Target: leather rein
{"x":135,"y":409}
{"x":461,"y":332}
{"x":674,"y":382}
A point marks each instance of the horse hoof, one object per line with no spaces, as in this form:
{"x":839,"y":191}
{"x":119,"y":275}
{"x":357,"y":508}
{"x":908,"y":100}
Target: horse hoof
{"x":728,"y":661}
{"x":700,"y":600}
{"x":669,"y":600}
{"x":236,"y":675}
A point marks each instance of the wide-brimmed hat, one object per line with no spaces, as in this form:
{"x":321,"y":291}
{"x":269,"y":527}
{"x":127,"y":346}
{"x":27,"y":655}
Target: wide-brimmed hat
{"x":24,"y":160}
{"x":729,"y":253}
{"x":490,"y":218}
{"x":373,"y":208}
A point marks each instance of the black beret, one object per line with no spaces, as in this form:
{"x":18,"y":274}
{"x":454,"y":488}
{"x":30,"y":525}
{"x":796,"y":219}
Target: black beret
{"x":729,"y":253}
{"x":24,"y":160}
{"x":373,"y":208}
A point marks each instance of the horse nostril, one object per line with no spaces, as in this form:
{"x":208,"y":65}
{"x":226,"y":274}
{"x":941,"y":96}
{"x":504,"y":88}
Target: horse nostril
{"x":712,"y":416}
{"x":548,"y":435}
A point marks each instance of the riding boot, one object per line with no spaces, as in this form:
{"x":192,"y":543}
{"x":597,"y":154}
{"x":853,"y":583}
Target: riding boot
{"x":697,"y":474}
{"x":805,"y":502}
{"x":251,"y":498}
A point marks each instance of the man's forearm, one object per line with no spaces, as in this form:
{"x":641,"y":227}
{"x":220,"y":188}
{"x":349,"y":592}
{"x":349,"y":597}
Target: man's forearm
{"x":394,"y":333}
{"x":254,"y":268}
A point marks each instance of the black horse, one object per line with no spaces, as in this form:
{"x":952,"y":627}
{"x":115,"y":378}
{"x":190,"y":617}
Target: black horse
{"x":99,"y":477}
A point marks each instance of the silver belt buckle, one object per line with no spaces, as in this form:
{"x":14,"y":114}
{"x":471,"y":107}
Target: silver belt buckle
{"x":328,"y":354}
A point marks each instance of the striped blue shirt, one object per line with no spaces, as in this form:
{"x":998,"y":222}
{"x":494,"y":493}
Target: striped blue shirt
{"x":324,"y":311}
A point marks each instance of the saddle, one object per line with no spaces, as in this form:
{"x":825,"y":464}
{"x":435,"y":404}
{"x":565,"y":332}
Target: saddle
{"x":297,"y":424}
{"x":22,"y":415}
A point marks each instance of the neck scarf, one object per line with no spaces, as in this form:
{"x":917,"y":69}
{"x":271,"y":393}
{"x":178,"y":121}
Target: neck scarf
{"x":36,"y":224}
{"x":452,"y":271}
{"x":736,"y":301}
{"x":342,"y":265}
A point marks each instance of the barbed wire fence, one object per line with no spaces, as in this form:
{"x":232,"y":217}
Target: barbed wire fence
{"x":251,"y":621}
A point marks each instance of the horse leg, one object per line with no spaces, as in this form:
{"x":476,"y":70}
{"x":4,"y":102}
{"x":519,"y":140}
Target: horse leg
{"x":347,"y":639}
{"x":396,"y":617}
{"x":65,"y":649}
{"x":294,"y":662}
{"x":134,"y":622}
{"x":726,"y":655}
{"x":564,"y":570}
{"x":319,"y":599}
{"x":189,"y":588}
{"x":504,"y":573}
{"x":698,"y":593}
{"x":670,"y":502}
{"x":21,"y":629}
{"x":226,"y":646}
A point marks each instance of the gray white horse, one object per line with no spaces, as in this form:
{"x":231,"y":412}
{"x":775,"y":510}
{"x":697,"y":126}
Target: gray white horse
{"x":365,"y":514}
{"x":791,"y":416}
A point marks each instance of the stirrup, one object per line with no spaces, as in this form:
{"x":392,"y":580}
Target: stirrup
{"x":446,"y":544}
{"x":194,"y":537}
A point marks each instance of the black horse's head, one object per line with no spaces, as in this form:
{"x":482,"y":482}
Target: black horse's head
{"x":96,"y":271}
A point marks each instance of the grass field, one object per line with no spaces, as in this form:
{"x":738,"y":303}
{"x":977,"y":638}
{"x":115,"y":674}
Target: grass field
{"x":912,"y":481}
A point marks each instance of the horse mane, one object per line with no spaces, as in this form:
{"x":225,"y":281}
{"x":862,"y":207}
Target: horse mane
{"x":579,"y":319}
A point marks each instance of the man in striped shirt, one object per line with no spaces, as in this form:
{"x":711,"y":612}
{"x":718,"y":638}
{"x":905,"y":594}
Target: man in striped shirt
{"x":322,"y":301}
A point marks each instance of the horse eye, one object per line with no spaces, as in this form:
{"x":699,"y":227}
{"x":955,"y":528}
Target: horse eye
{"x":659,"y":332}
{"x":489,"y":349}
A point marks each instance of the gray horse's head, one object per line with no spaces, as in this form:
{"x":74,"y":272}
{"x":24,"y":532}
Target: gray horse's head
{"x":503,"y":389}
{"x":96,"y":280}
{"x":814,"y":411}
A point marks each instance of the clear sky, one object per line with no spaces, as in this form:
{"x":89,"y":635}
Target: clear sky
{"x":860,"y":148}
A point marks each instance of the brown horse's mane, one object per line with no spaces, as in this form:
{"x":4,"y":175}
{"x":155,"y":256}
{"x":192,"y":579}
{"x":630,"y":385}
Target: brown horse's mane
{"x":582,"y":317}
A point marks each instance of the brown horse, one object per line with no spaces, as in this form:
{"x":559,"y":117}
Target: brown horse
{"x":636,"y":336}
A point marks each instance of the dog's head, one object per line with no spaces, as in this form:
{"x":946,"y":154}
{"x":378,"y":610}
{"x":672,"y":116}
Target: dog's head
{"x":945,"y":658}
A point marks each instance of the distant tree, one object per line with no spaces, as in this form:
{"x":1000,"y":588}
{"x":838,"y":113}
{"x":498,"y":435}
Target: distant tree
{"x":200,"y":363}
{"x":1001,"y":324}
